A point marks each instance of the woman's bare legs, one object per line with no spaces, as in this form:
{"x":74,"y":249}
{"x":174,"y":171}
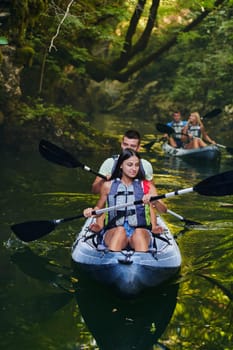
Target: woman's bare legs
{"x":140,"y":240}
{"x":116,"y":238}
{"x":195,"y":143}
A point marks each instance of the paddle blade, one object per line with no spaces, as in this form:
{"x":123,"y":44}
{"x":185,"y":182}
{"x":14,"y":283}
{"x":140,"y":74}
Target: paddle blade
{"x":191,"y":222}
{"x":212,"y":113}
{"x":58,"y":155}
{"x":164,"y":129}
{"x":229,"y":150}
{"x":32,"y":230}
{"x":217,"y":185}
{"x":148,"y":146}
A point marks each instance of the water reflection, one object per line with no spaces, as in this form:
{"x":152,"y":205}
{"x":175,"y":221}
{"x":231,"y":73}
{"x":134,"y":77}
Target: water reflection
{"x":124,"y":324}
{"x":201,"y":311}
{"x":177,"y":164}
{"x":115,"y":323}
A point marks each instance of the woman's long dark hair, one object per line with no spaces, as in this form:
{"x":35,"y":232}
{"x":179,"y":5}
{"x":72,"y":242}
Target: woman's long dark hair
{"x":126,"y":154}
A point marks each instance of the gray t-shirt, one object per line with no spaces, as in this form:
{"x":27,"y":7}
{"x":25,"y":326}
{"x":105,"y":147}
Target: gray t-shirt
{"x":107,"y":166}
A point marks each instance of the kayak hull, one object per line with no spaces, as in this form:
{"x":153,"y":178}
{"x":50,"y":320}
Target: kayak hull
{"x":208,"y":153}
{"x":129,"y":272}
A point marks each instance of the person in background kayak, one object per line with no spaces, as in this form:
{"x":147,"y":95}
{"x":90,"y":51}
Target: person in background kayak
{"x":127,"y":226}
{"x":177,"y":124}
{"x":194,"y":133}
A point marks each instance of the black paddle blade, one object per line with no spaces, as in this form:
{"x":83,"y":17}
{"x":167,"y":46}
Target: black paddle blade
{"x":191,"y":222}
{"x":217,"y":185}
{"x":164,"y":129}
{"x":212,"y":113}
{"x":58,"y":155}
{"x":148,"y":146}
{"x":32,"y":230}
{"x":229,"y":150}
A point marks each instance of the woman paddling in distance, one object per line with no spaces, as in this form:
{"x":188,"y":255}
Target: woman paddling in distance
{"x":128,"y":226}
{"x":194,"y":133}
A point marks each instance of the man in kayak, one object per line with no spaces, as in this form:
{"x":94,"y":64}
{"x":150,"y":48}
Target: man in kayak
{"x":131,"y":139}
{"x":130,"y":225}
{"x":177,"y":124}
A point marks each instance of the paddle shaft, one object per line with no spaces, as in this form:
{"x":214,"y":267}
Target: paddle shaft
{"x":32,"y":230}
{"x":85,"y":167}
{"x":175,"y":214}
{"x":217,"y":185}
{"x":124,"y":205}
{"x":187,"y":222}
{"x":228,"y":149}
{"x":152,"y":199}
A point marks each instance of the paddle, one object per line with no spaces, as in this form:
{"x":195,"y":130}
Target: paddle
{"x":59,"y":156}
{"x":181,"y":218}
{"x":211,"y":114}
{"x":170,"y":131}
{"x":148,"y":146}
{"x":217,"y":185}
{"x":228,"y":149}
{"x":165,"y":129}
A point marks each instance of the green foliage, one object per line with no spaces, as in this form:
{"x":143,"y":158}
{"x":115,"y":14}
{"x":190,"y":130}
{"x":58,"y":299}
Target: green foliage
{"x":68,"y":124}
{"x":36,"y":109}
{"x":24,"y":16}
{"x":196,"y":73}
{"x":24,"y":56}
{"x":91,"y":44}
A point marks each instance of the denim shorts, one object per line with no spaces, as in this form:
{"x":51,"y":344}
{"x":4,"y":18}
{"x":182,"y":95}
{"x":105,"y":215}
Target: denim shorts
{"x":129,"y":229}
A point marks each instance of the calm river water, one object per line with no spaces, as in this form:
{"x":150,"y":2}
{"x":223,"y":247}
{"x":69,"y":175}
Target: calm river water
{"x":44,"y":304}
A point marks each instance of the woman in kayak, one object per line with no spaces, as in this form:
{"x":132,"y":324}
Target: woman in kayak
{"x":194,"y":133}
{"x":128,"y":226}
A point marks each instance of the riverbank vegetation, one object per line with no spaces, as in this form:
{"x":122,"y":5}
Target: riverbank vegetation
{"x":63,"y":62}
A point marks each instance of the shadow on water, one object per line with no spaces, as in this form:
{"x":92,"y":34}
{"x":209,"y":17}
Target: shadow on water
{"x":122,"y":324}
{"x":178,"y":165}
{"x":115,"y":323}
{"x":144,"y":322}
{"x":44,"y":270}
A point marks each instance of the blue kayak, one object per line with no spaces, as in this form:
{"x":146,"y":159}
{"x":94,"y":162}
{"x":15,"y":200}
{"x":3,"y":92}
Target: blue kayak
{"x":128,"y":271}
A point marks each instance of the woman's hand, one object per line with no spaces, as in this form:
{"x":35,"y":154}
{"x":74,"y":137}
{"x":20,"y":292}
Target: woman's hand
{"x":94,"y":227}
{"x":190,"y":137}
{"x":146,"y":198}
{"x":157,"y":229}
{"x":88,"y":212}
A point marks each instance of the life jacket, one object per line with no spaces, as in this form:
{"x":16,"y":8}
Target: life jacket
{"x":115,"y":158}
{"x":194,"y":130}
{"x":177,"y":126}
{"x":119,"y":194}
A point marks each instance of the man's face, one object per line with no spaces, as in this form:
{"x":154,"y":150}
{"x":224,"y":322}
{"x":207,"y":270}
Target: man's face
{"x":130,"y":143}
{"x":176,"y":117}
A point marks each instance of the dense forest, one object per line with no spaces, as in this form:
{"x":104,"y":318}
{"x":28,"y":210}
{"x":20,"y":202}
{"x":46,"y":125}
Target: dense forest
{"x":61,"y":62}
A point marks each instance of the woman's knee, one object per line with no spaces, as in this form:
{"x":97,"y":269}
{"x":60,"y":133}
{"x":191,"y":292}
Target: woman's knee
{"x":139,"y":236}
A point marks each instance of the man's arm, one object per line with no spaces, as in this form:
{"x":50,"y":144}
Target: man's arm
{"x":106,"y":170}
{"x":97,"y":184}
